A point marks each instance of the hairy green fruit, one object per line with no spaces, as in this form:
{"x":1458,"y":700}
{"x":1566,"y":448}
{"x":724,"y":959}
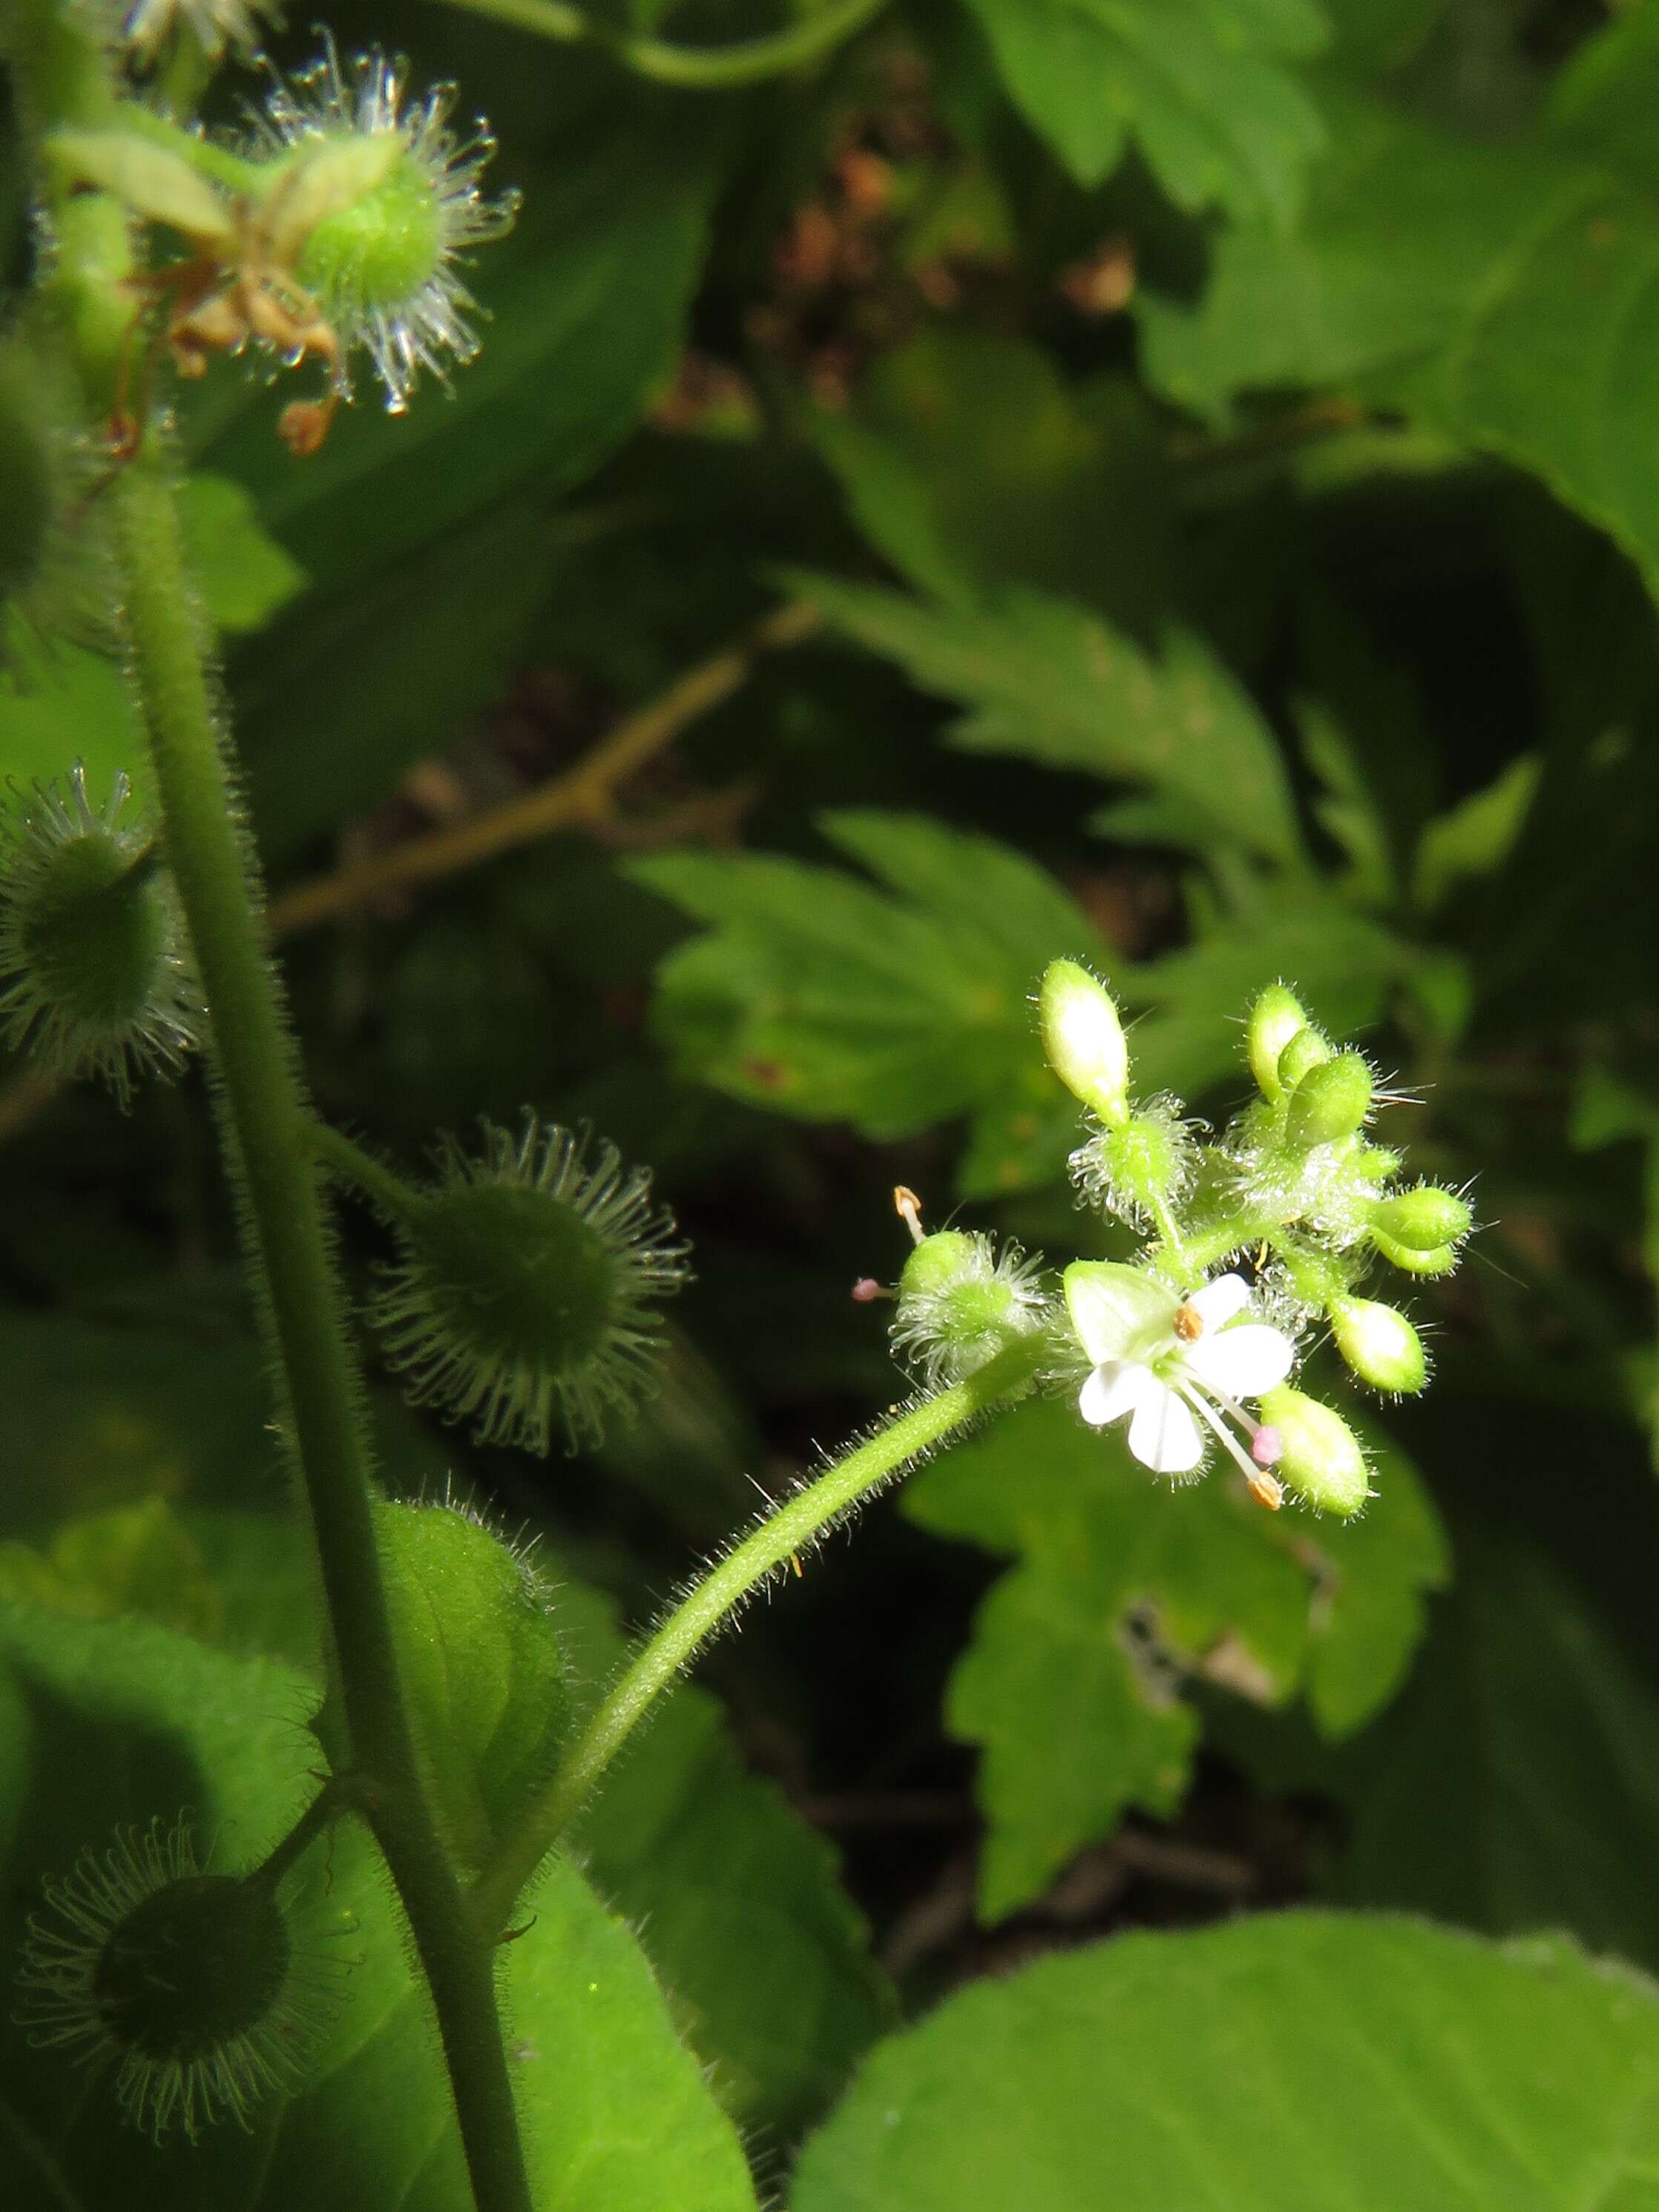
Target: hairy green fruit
{"x":1320,"y":1458}
{"x":1329,"y":1103}
{"x":1380,"y":1345}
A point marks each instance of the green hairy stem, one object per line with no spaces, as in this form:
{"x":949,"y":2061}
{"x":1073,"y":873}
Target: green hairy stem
{"x":793,"y":1527}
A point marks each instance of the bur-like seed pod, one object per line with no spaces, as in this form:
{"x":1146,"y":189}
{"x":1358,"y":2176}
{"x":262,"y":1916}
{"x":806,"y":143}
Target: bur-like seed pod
{"x":1320,"y":1457}
{"x":1380,"y":1345}
{"x":188,"y":1984}
{"x":960,"y":1303}
{"x":524,"y":1292}
{"x":375,"y":205}
{"x":94,"y":975}
{"x":1084,"y":1038}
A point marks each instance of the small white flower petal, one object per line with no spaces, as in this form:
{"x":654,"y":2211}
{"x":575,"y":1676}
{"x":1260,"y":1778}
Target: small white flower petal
{"x":1115,"y":1388}
{"x":1163,"y":1435}
{"x":1242,"y":1362}
{"x":1218,"y":1302}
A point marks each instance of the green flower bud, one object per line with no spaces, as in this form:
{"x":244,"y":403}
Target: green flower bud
{"x":1424,"y":1219}
{"x":1329,"y":1103}
{"x":1084,"y":1038}
{"x":1380,"y":1345}
{"x":524,"y":1285}
{"x":92,"y":951}
{"x":1320,"y":1458}
{"x":1306,"y":1050}
{"x":1132,"y":1168}
{"x":1441,"y":1262}
{"x":188,"y":1984}
{"x":1276,"y":1018}
{"x":960,"y":1303}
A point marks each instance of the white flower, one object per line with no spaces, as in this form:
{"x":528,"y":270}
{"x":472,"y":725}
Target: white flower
{"x":1160,"y":1359}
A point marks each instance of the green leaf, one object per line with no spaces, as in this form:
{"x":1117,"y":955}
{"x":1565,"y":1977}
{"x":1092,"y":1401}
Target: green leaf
{"x":765,"y":1959}
{"x":1506,"y":296}
{"x":337,"y":702}
{"x":61,"y":707}
{"x":1287,"y":2063}
{"x":1046,"y":679}
{"x":1537,"y":1744}
{"x":1072,"y":1681}
{"x":1199,"y":84}
{"x":1477,"y":835}
{"x":138,"y":1558}
{"x":127,"y":1722}
{"x":244,"y":573}
{"x":483,"y":1670}
{"x":970,"y":463}
{"x":818,"y":994}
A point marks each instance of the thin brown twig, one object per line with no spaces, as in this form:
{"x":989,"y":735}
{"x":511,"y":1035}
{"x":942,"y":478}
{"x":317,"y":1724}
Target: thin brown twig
{"x":581,"y":793}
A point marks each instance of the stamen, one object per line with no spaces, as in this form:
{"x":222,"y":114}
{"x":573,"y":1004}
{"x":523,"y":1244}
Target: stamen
{"x":1264,"y":1488}
{"x":907,"y":1206}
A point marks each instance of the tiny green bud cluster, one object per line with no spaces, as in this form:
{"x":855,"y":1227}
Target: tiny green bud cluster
{"x":1187,"y":1350}
{"x":94,"y":977}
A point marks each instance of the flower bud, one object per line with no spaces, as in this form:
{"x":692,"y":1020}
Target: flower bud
{"x":524,"y":1284}
{"x":1276,"y":1018}
{"x":187,"y":1983}
{"x":92,"y":950}
{"x":1440,"y":1261}
{"x":1424,"y":1219}
{"x":1084,"y":1039}
{"x":960,"y":1303}
{"x":1380,"y":1345}
{"x":1320,"y":1458}
{"x":151,"y":180}
{"x":1134,"y":1167}
{"x":1306,"y":1050}
{"x":1329,"y":1103}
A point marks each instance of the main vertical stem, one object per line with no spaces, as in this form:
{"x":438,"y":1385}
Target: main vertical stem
{"x":265,"y":1123}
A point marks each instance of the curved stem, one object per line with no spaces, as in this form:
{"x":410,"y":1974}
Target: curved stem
{"x":703,"y":69}
{"x":266,"y":1125}
{"x":792,"y":1529}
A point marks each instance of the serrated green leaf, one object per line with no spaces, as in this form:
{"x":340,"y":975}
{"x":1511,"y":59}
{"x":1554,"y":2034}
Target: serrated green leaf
{"x":820,"y":995}
{"x":1047,"y":679}
{"x":1505,"y":296}
{"x":128,"y":1722}
{"x":1200,"y":85}
{"x":1286,"y":2064}
{"x":483,"y":1670}
{"x":1072,"y":1681}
